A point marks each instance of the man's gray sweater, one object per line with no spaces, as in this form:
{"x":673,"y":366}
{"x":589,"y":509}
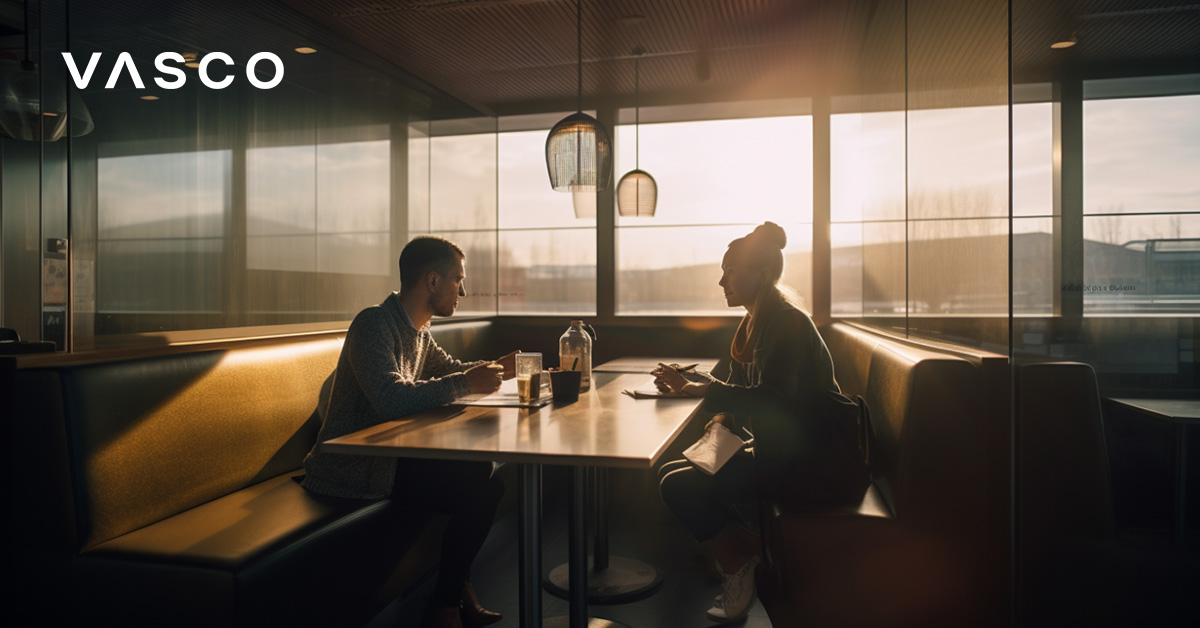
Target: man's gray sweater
{"x":388,"y":369}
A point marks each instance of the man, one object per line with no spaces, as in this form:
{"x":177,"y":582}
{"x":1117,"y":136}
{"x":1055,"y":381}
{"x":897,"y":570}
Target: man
{"x":390,"y":367}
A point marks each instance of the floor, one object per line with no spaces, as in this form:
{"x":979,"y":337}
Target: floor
{"x":640,"y":529}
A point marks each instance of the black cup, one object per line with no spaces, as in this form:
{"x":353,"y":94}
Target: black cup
{"x":564,"y":385}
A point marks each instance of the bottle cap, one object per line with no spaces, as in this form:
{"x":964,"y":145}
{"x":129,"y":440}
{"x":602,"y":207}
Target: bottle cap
{"x":576,"y":322}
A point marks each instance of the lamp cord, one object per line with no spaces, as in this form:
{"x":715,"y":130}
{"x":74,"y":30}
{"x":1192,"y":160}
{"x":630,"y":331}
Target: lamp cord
{"x":637,"y":115}
{"x":579,"y":47}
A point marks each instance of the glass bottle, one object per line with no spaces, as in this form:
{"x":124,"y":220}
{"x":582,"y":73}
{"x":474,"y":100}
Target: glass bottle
{"x":575,"y":352}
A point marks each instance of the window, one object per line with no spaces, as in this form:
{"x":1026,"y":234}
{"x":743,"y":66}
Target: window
{"x":161,"y":242}
{"x":547,"y":254}
{"x":717,"y":180}
{"x":1141,"y":200}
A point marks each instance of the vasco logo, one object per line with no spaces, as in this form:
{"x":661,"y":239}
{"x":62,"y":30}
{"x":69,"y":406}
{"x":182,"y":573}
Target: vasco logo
{"x":125,"y":62}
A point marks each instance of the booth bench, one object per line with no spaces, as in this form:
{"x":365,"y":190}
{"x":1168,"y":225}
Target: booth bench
{"x":162,"y":490}
{"x":928,"y":546}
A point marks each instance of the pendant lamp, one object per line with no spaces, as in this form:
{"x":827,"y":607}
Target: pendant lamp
{"x":29,"y":112}
{"x":637,"y":193}
{"x":579,"y":149}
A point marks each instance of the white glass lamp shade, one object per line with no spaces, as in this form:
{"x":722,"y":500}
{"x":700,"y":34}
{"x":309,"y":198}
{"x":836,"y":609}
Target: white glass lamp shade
{"x":585,"y":204}
{"x":579,"y":155}
{"x":637,"y":194}
{"x":23,"y":117}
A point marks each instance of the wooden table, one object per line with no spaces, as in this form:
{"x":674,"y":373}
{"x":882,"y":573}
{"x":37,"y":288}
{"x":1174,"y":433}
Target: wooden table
{"x":605,"y":428}
{"x":1181,"y":413}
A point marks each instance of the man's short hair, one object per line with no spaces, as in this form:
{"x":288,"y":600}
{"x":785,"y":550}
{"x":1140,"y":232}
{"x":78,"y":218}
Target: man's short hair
{"x":426,"y":253}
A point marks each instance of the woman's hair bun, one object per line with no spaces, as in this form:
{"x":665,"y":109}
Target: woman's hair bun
{"x":770,"y":234}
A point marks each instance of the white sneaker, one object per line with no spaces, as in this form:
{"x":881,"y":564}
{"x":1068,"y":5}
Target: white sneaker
{"x":737,"y":595}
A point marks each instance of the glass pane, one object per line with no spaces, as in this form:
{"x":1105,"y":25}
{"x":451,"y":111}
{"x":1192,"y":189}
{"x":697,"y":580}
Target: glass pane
{"x":721,"y":171}
{"x":1033,"y":266}
{"x":1033,"y":159}
{"x":526,"y":199}
{"x":682,"y":278}
{"x":867,"y":166}
{"x":354,"y":187}
{"x":463,"y":182}
{"x":846,"y":269}
{"x":884,"y":268}
{"x":958,"y":266}
{"x":418,"y":177}
{"x":1141,"y":155}
{"x":1141,"y":264}
{"x":480,"y":249}
{"x":163,"y":195}
{"x":548,"y":271}
{"x":281,"y":191}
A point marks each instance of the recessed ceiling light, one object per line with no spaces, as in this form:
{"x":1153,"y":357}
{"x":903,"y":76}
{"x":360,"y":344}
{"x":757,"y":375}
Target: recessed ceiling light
{"x":305,"y":50}
{"x":50,"y":113}
{"x":148,"y":97}
{"x":191,"y":64}
{"x":1066,"y":43}
{"x":189,"y":57}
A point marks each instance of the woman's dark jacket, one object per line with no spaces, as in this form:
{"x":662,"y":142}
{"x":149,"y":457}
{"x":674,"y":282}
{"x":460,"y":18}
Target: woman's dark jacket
{"x":805,"y":430}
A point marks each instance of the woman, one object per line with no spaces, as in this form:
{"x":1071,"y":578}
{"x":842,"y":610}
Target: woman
{"x":780,"y":387}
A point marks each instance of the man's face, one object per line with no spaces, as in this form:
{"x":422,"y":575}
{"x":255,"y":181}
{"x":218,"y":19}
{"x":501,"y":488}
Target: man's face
{"x":444,"y":300}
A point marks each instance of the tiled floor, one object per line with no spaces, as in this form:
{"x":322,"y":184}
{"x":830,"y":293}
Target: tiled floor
{"x":640,"y":529}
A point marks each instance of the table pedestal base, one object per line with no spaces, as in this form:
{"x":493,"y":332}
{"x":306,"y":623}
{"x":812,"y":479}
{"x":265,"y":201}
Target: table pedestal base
{"x":562,"y":621}
{"x":624,"y":580}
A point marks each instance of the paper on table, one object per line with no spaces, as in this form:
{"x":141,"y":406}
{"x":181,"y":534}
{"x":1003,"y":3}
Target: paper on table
{"x":507,"y":396}
{"x":650,"y":391}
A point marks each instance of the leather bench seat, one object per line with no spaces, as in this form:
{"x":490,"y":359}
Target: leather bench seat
{"x":920,"y":550}
{"x":167,"y":496}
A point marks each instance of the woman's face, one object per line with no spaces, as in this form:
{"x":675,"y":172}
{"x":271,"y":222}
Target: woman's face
{"x":739,"y":279}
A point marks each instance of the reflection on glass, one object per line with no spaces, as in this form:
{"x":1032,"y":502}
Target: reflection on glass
{"x":681,"y":278}
{"x":299,"y":197}
{"x":1033,"y":266}
{"x":884,"y":269}
{"x":161,"y":225}
{"x":1158,"y":271}
{"x":958,"y":266}
{"x":846,"y":269}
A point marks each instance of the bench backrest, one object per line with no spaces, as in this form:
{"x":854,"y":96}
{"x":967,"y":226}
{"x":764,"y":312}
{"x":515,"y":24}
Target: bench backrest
{"x":1062,"y":473}
{"x":149,"y":438}
{"x":100,"y":447}
{"x":928,"y":459}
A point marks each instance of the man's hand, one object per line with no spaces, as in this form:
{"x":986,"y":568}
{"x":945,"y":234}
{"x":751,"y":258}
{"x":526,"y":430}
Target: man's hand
{"x":509,"y":362}
{"x":484,"y":379}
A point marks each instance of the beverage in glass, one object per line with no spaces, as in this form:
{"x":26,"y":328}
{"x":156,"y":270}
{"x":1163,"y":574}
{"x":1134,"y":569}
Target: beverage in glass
{"x":529,"y":377}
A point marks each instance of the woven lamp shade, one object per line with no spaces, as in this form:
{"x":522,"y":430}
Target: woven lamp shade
{"x":579,"y":155}
{"x":637,"y":194}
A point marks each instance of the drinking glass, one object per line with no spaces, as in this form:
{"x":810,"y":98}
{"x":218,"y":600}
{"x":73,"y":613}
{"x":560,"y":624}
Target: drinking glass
{"x":529,"y":377}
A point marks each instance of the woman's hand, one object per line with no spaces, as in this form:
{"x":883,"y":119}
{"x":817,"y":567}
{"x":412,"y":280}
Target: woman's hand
{"x":667,"y":379}
{"x":716,"y":420}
